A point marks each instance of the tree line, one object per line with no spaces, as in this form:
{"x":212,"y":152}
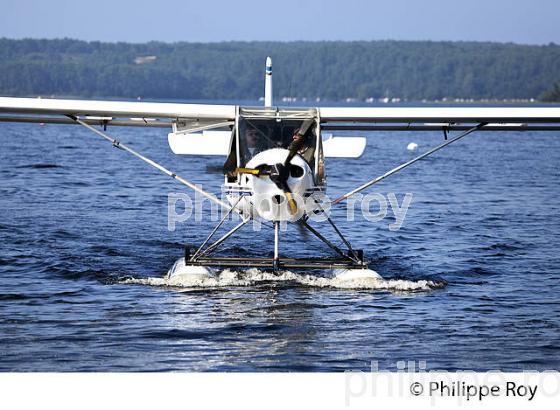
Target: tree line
{"x":411,"y":70}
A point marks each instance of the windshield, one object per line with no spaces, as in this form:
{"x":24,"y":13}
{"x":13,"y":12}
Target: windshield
{"x":259,"y":135}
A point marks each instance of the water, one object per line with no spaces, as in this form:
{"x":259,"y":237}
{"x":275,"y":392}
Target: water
{"x":471,"y":280}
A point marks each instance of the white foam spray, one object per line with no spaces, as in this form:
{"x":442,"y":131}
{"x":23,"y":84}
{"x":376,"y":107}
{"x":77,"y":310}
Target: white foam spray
{"x":232,"y":278}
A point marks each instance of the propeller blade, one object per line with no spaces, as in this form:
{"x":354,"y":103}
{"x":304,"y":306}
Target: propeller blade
{"x":252,"y":171}
{"x":294,"y":147}
{"x":279,"y":175}
{"x":292,"y":204}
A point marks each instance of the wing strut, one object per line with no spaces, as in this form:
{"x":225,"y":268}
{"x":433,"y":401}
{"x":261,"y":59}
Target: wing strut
{"x":117,"y":144}
{"x":406,"y":164}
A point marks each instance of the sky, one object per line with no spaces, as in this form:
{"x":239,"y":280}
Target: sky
{"x":518,"y":21}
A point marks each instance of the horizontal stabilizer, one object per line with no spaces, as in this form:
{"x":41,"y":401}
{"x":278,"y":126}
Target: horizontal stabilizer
{"x":343,"y":147}
{"x":218,"y":142}
{"x":196,"y":143}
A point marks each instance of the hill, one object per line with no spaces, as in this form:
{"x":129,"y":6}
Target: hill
{"x":234,"y":70}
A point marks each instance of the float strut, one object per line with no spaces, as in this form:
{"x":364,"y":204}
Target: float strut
{"x":275,"y":263}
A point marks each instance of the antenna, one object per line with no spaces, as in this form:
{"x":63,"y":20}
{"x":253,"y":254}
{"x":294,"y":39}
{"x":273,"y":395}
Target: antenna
{"x":268,"y":83}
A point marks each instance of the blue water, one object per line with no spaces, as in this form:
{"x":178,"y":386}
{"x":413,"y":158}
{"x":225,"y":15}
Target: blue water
{"x":473,"y":278}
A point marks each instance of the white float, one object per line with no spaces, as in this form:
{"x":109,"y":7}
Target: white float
{"x":181,"y":270}
{"x":355,"y":274}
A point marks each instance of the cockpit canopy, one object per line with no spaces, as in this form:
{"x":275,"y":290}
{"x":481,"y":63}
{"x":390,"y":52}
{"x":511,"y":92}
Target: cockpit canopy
{"x":260,"y":135}
{"x":260,"y":130}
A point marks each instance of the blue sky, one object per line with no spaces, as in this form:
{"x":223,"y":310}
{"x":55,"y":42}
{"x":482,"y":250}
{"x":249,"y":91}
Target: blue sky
{"x":519,"y":21}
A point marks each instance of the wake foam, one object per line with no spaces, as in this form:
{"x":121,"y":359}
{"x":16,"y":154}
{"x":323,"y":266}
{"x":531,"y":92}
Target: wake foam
{"x":230,"y":278}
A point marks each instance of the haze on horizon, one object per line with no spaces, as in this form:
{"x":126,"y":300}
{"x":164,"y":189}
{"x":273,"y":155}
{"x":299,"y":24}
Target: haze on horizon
{"x":520,"y":21}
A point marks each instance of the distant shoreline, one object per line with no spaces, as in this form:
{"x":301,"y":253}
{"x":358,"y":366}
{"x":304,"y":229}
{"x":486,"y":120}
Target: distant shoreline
{"x":300,"y":102}
{"x":368,"y":71}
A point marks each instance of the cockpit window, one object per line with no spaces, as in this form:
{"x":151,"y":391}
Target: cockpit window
{"x":260,"y":135}
{"x":253,"y":140}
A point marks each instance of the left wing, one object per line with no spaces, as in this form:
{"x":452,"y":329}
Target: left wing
{"x":88,"y":113}
{"x":143,"y":114}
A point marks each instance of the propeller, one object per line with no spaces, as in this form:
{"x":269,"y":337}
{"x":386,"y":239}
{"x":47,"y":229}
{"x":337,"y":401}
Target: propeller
{"x":279,"y":173}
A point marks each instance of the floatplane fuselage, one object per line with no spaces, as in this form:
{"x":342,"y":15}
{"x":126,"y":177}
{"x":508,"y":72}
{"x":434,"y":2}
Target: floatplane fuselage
{"x":275,"y":171}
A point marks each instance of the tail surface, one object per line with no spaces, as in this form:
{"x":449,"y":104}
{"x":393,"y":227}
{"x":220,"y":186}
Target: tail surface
{"x":268,"y":83}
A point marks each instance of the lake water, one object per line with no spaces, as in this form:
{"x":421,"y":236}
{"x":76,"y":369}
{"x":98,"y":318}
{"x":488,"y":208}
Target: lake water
{"x":471,"y":280}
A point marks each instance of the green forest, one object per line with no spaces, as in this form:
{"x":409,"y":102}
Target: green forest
{"x":410,"y":70}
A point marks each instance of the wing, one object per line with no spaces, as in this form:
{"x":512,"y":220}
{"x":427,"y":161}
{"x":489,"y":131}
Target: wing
{"x":437,"y":118}
{"x":196,"y":116}
{"x":203,"y":116}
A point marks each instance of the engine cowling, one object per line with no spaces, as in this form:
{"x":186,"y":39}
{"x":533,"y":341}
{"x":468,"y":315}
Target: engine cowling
{"x":269,"y":201}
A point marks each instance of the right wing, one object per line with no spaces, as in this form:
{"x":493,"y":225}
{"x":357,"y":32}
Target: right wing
{"x":437,"y":118}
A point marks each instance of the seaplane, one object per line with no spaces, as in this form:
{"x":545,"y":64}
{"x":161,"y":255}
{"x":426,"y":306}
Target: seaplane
{"x":275,"y":160}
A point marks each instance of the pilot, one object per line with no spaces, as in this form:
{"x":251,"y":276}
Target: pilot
{"x":307,"y":150}
{"x":250,"y":145}
{"x":253,"y":143}
{"x":307,"y":147}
